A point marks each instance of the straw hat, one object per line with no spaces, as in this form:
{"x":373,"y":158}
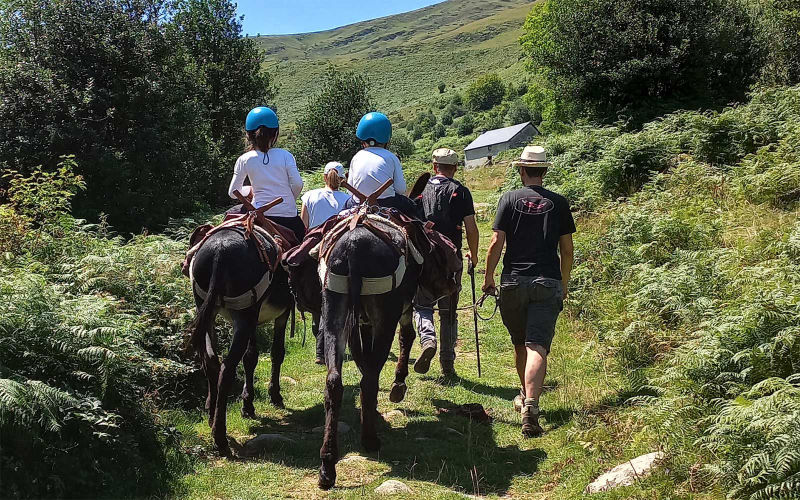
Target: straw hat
{"x":532,"y":156}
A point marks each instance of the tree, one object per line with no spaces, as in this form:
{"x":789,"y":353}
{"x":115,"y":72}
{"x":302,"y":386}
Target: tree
{"x":518,"y":112}
{"x":439,"y":131}
{"x":605,"y":55}
{"x":466,"y":125}
{"x":485,"y":92}
{"x":442,"y":86}
{"x":327,"y":129}
{"x":401,"y":144}
{"x":144,"y":96}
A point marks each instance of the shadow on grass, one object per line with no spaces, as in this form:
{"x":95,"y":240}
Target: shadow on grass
{"x":448,"y":450}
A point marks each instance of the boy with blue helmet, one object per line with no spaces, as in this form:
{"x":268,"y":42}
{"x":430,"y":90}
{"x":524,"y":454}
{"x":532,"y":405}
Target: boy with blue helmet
{"x":374,"y":164}
{"x":272,"y":171}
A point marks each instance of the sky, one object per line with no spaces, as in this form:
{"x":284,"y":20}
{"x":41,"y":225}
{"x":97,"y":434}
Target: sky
{"x":280,"y":17}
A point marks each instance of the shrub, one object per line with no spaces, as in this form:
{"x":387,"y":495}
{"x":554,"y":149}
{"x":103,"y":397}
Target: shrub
{"x":485,"y":92}
{"x":441,"y":87}
{"x":326,"y":131}
{"x":607,"y":55}
{"x":518,"y":112}
{"x":465,"y":125}
{"x":439,"y":131}
{"x":146,"y":102}
{"x":401,"y":144}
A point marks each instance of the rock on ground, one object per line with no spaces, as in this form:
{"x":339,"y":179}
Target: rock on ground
{"x":625,"y":474}
{"x":392,"y":487}
{"x":263,"y":443}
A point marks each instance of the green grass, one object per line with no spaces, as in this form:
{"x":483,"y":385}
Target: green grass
{"x":404,"y":56}
{"x":589,"y":429}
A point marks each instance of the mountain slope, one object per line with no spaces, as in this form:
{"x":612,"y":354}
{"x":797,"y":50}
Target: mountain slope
{"x":405,"y":56}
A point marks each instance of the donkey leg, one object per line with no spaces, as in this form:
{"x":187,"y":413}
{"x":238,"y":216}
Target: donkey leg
{"x":332,"y":327}
{"x":210,"y":364}
{"x":249,"y":361}
{"x":277,"y":355}
{"x":383,"y":332}
{"x":406,"y":340}
{"x":244,"y":327}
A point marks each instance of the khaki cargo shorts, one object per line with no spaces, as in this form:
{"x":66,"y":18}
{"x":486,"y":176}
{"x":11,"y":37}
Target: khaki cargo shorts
{"x":530,"y":307}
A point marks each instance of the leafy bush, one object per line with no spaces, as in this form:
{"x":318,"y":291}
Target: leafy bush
{"x":697,"y":273}
{"x":606,"y":55}
{"x":148,"y":97}
{"x":90,"y":338}
{"x":327,"y":130}
{"x":484,"y":93}
{"x":401,"y":144}
{"x":518,"y":112}
{"x":439,"y":131}
{"x":465,"y":125}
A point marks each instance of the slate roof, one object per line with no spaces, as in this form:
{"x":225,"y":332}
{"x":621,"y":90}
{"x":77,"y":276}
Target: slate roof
{"x":497,"y":136}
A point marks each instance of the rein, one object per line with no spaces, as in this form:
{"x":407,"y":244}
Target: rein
{"x":470,"y":307}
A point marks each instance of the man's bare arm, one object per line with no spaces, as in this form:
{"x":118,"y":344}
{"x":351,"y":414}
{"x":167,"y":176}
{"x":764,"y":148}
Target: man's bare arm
{"x":471,"y":228}
{"x":567,"y":260}
{"x":493,"y":258}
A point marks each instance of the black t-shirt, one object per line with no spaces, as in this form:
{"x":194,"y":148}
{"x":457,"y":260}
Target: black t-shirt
{"x":461,"y":206}
{"x":534,"y":219}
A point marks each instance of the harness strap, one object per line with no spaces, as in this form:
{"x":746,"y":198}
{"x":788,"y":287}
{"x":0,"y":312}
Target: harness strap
{"x":369,"y":286}
{"x":243,"y":301}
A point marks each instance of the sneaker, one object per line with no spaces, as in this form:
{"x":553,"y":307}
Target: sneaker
{"x":448,"y":368}
{"x":530,"y":419}
{"x":423,"y":363}
{"x":519,"y":400}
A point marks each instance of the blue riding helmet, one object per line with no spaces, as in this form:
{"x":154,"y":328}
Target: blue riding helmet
{"x":375,"y":126}
{"x":261,"y":116}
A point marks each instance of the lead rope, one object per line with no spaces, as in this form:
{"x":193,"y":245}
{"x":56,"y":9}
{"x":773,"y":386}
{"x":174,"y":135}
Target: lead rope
{"x":470,"y":307}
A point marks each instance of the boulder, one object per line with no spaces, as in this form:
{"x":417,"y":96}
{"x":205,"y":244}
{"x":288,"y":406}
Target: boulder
{"x":392,"y":487}
{"x":264,"y":443}
{"x":625,"y":474}
{"x":289,"y":380}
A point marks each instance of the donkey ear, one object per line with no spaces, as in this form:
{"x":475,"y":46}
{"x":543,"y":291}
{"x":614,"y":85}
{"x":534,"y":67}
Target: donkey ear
{"x":419,"y":186}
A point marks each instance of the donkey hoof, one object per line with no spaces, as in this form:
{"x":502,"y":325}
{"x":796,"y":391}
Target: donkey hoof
{"x":223,"y":449}
{"x":327,"y":476}
{"x":249,"y":413}
{"x":277,"y":401}
{"x":398,"y":392}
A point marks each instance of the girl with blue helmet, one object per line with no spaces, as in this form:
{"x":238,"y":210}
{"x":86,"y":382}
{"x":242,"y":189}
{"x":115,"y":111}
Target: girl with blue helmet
{"x":272,"y":171}
{"x":374,"y":164}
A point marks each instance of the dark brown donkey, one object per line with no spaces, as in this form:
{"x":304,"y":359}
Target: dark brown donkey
{"x":366,"y":293}
{"x":235,"y":272}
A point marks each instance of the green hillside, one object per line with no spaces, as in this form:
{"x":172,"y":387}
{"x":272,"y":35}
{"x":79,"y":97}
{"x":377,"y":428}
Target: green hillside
{"x":405,"y":56}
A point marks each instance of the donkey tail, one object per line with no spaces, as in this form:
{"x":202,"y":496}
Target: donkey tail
{"x":355,"y":292}
{"x":204,"y":322}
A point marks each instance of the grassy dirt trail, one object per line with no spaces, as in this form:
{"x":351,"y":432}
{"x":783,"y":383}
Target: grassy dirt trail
{"x":588,"y":427}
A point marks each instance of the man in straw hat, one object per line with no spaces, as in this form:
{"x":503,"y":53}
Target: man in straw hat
{"x":536,"y":224}
{"x":448,"y":204}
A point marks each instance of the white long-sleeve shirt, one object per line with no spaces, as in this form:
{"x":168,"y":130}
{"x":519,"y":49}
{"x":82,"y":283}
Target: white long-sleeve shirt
{"x":271,"y":175}
{"x":371,"y":167}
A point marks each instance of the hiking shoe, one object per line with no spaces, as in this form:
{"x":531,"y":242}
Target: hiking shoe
{"x":448,"y":368}
{"x":519,"y":400}
{"x":423,"y":363}
{"x":530,"y":419}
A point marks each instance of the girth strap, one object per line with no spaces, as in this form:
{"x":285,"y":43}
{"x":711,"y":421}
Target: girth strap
{"x":243,"y":301}
{"x":369,"y":286}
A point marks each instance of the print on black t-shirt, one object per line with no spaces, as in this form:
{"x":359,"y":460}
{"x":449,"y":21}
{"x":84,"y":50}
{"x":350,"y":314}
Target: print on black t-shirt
{"x":534,"y":219}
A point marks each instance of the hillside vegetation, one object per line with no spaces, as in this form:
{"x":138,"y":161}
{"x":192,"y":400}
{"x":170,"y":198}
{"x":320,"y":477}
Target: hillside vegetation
{"x":681,"y":333}
{"x":404,"y":56}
